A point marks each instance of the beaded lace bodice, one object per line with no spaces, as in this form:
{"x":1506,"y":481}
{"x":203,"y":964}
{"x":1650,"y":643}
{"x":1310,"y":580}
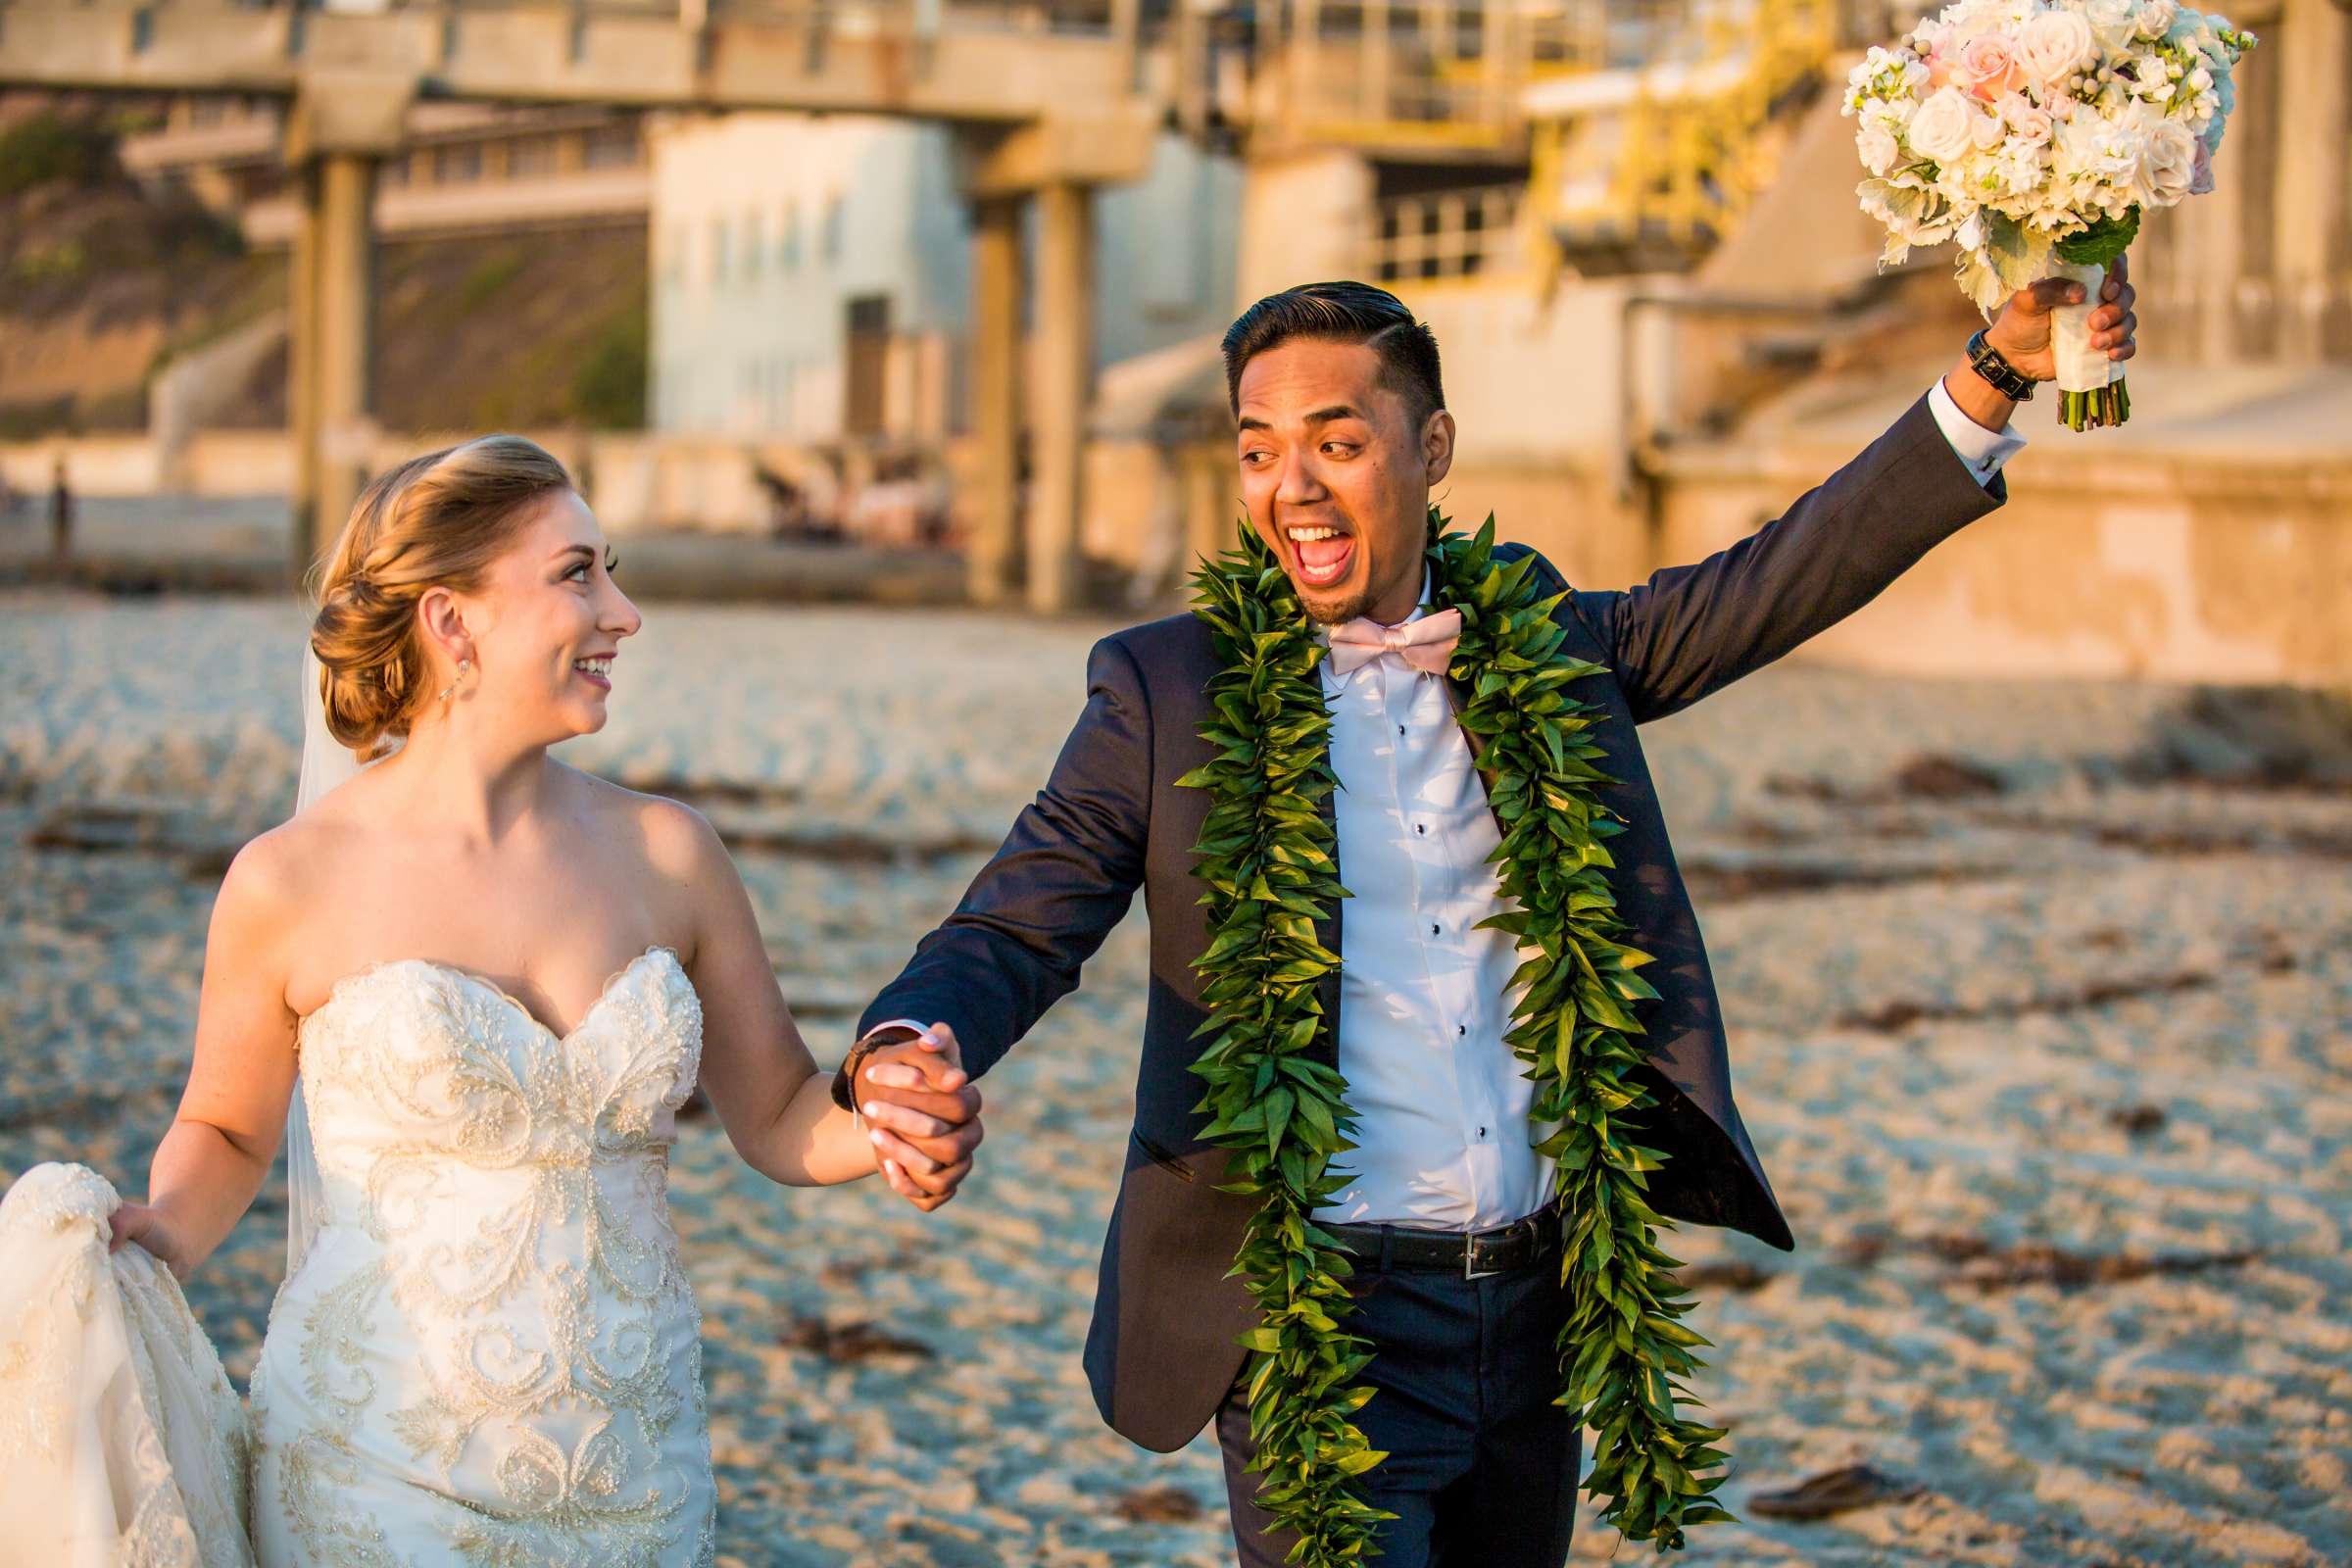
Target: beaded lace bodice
{"x":494,"y":1299}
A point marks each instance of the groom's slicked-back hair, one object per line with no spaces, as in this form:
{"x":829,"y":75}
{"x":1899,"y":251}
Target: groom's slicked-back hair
{"x":1342,"y":313}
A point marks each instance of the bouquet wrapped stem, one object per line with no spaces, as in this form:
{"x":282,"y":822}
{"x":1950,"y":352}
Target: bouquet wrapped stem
{"x":2091,"y":385}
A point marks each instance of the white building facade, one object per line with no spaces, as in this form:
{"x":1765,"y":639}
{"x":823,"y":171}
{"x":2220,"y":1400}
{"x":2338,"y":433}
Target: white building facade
{"x":812,"y":274}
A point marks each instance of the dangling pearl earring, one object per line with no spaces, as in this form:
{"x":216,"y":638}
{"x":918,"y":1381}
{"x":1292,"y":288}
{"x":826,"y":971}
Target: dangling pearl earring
{"x":464,"y":665}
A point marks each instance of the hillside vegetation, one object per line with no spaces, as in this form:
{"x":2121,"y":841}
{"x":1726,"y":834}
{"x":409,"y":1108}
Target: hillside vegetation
{"x":104,"y":281}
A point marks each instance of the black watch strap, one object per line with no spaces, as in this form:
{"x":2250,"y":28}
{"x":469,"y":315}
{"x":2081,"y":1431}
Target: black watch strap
{"x":844,"y":1093}
{"x":1998,"y":373}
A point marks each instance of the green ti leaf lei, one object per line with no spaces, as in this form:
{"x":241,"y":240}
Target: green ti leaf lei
{"x":1267,"y":857}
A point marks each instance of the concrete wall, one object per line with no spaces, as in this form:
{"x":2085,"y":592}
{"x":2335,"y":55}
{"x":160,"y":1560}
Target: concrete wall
{"x":2177,"y":569}
{"x":1166,"y":251}
{"x":1305,"y":217}
{"x":2104,"y":563}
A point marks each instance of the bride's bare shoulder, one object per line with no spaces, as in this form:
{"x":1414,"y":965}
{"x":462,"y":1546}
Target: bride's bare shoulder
{"x":301,"y":856}
{"x":676,"y":836}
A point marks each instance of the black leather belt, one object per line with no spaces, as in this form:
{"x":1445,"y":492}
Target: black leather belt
{"x":1472,"y":1254}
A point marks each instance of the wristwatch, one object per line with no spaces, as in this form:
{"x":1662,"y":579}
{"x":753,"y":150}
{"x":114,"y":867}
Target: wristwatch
{"x":845,"y":1091}
{"x":1998,"y":373}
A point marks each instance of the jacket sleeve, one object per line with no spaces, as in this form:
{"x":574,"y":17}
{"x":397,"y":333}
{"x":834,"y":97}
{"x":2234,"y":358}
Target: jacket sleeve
{"x":1061,"y":880}
{"x":1691,"y":630}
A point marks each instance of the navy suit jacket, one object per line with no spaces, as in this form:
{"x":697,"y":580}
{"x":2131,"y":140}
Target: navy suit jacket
{"x":1164,"y":1346}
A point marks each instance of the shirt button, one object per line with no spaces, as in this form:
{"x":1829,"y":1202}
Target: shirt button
{"x":1482,"y":1132}
{"x":1433,"y":928}
{"x":1420,"y":827}
{"x":1461,"y":1029}
{"x":1400,"y":729}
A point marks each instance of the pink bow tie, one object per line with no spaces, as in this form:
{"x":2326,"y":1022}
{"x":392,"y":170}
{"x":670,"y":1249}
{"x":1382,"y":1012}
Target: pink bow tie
{"x":1427,"y":644}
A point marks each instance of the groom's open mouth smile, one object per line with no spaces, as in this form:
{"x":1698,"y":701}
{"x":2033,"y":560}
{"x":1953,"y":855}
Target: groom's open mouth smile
{"x":1324,"y":552}
{"x":596,"y":671}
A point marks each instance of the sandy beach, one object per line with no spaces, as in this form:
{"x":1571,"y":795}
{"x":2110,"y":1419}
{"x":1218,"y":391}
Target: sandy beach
{"x":2041,"y":998}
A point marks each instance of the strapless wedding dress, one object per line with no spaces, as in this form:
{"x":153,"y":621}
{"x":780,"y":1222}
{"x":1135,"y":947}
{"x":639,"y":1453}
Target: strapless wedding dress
{"x":488,"y":1355}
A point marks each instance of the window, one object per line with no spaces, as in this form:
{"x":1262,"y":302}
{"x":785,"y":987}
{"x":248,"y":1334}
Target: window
{"x":609,"y":147}
{"x":831,"y":242}
{"x":755,"y":245}
{"x":788,"y":248}
{"x":458,"y":165}
{"x":718,"y":252}
{"x":530,"y":157}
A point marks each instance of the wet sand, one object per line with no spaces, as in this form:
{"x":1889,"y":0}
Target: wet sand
{"x":2040,"y":997}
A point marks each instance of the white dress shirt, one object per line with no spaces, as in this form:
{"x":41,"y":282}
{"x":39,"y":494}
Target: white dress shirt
{"x":1425,"y":995}
{"x":1442,"y":1131}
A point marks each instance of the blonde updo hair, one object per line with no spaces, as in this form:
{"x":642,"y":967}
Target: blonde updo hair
{"x":434,"y":521}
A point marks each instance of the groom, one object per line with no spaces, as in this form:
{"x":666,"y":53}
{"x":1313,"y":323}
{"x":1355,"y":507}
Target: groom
{"x":1342,"y":432}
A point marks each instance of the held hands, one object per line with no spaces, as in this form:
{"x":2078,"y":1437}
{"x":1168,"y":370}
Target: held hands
{"x":925,"y":1115}
{"x":2023,"y":334}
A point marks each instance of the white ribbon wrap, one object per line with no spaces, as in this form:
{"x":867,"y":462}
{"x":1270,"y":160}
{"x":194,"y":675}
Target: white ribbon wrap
{"x":2081,"y":367}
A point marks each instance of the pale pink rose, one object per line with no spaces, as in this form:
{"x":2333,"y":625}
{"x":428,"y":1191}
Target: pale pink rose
{"x":2200,"y":175}
{"x":1990,"y":67}
{"x":2054,"y":45}
{"x":2027,"y":120}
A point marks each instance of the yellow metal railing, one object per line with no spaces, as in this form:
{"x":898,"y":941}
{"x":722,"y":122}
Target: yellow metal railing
{"x":1678,"y":154}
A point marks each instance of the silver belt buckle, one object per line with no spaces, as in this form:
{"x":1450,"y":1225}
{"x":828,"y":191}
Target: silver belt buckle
{"x":1470,"y":1270}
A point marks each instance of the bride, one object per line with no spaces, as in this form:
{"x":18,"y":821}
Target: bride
{"x":500,"y":978}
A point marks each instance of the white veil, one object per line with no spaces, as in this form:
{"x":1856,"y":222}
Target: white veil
{"x":326,"y":763}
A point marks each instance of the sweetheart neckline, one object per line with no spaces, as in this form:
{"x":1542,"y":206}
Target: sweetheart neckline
{"x":334,"y":993}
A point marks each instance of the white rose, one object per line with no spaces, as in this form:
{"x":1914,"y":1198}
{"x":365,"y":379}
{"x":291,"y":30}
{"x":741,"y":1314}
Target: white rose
{"x":2155,"y":17}
{"x":1877,"y":145}
{"x":2113,"y":23}
{"x":2054,"y":46}
{"x":1943,"y":129}
{"x":2167,"y":164}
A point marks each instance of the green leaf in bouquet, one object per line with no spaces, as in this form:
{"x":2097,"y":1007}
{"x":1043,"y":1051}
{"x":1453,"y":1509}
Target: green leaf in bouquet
{"x":2102,"y":242}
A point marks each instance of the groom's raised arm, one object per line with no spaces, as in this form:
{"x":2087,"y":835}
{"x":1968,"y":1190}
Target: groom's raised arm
{"x":1056,"y":888}
{"x":1690,"y":630}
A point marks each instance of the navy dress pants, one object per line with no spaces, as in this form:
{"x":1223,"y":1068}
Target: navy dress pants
{"x":1481,"y":1466}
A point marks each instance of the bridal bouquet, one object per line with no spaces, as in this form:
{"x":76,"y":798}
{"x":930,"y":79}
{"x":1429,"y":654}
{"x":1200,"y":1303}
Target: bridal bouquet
{"x":2033,"y":133}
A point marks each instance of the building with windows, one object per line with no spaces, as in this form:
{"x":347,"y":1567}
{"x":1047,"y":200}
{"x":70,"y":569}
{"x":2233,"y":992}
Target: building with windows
{"x":465,"y":169}
{"x":812,"y":274}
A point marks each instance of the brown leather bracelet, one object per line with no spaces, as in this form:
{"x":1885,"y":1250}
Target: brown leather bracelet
{"x":844,"y":1093}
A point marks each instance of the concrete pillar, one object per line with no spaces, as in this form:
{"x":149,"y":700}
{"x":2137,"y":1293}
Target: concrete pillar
{"x":1305,"y":217}
{"x":342,"y":329}
{"x":2314,"y":176}
{"x":1211,"y":500}
{"x":310,"y":536}
{"x":1062,"y":361}
{"x":344,"y":121}
{"x":992,"y":559}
